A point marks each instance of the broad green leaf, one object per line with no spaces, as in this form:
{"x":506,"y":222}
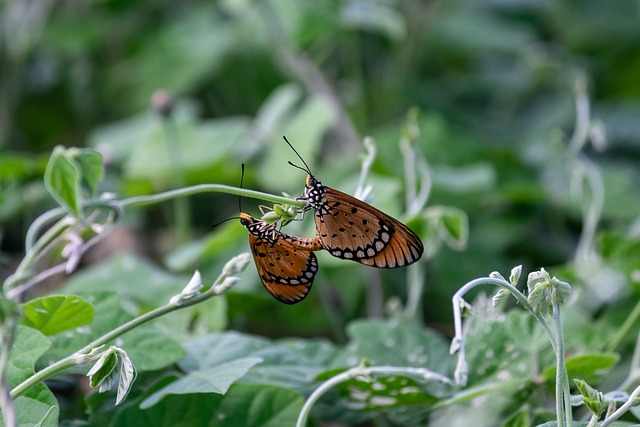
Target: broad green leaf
{"x":392,"y":343}
{"x":588,"y":367}
{"x":134,"y":278}
{"x":215,"y":379}
{"x":497,"y":343}
{"x":54,"y":314}
{"x":294,"y":367}
{"x":243,"y":405}
{"x":90,"y":164}
{"x":37,"y":407}
{"x":28,"y":346}
{"x":62,"y":180}
{"x":38,"y":404}
{"x":386,"y":392}
{"x":147,"y":346}
{"x":194,"y":146}
{"x":150,"y":348}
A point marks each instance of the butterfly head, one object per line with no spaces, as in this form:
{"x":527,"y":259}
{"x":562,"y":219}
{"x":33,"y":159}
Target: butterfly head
{"x":246,"y":219}
{"x":313,"y":191}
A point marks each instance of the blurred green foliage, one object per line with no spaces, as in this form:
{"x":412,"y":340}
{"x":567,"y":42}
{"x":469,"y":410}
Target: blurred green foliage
{"x":173,"y":94}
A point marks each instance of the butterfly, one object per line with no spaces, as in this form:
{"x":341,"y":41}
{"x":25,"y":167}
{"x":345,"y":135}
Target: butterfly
{"x":286,"y":264}
{"x":351,"y":229}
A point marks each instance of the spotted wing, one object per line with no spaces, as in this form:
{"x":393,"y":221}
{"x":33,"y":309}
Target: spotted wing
{"x":285,"y":271}
{"x":352,"y":229}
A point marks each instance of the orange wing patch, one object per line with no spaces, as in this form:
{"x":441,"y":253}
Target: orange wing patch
{"x":351,"y":229}
{"x":286,"y":272}
{"x":286,"y":264}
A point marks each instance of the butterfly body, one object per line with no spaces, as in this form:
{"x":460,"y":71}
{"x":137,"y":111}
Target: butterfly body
{"x":286,"y":264}
{"x":351,"y":229}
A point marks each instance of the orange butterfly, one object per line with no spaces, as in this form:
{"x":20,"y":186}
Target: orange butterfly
{"x":351,"y":229}
{"x":286,"y":264}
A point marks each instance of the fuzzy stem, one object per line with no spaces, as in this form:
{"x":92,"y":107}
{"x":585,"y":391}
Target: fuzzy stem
{"x":623,"y":408}
{"x":204,"y":188}
{"x":563,"y":404}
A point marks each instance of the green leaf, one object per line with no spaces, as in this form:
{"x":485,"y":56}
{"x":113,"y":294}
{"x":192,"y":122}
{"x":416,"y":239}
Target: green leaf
{"x":38,"y":404}
{"x":28,"y":346}
{"x":500,"y":296}
{"x":147,"y":346}
{"x":514,"y":277}
{"x":385,"y":392}
{"x":8,"y":310}
{"x":37,"y":407}
{"x":291,"y":364}
{"x":103,"y":372}
{"x":215,"y":379}
{"x":521,"y":418}
{"x":113,"y":366}
{"x":54,"y":314}
{"x":124,"y":274}
{"x":590,"y":367}
{"x":62,"y":180}
{"x":126,"y":377}
{"x":392,"y":343}
{"x":91,"y":167}
{"x":592,"y":398}
{"x":455,"y":224}
{"x":243,"y":405}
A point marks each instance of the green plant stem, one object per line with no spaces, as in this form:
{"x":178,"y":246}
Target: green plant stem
{"x":634,"y":370}
{"x":623,"y":408}
{"x":592,"y":210}
{"x":39,"y":223}
{"x":360,"y":371}
{"x":22,"y":272}
{"x":416,"y":274}
{"x":70,"y":360}
{"x":563,"y":404}
{"x":204,"y":188}
{"x":181,"y":207}
{"x":458,"y":340}
{"x":623,"y":330}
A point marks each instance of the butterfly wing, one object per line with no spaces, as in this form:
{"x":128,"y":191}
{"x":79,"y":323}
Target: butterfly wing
{"x":285,"y":271}
{"x":351,"y":229}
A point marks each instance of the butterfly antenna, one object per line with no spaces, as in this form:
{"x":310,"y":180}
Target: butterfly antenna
{"x":308,"y":169}
{"x":240,"y":197}
{"x":225,"y":220}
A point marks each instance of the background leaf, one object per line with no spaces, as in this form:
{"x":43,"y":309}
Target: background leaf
{"x":54,"y":314}
{"x":62,"y":180}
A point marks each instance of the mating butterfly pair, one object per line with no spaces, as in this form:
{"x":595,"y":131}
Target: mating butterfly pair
{"x":346,"y":227}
